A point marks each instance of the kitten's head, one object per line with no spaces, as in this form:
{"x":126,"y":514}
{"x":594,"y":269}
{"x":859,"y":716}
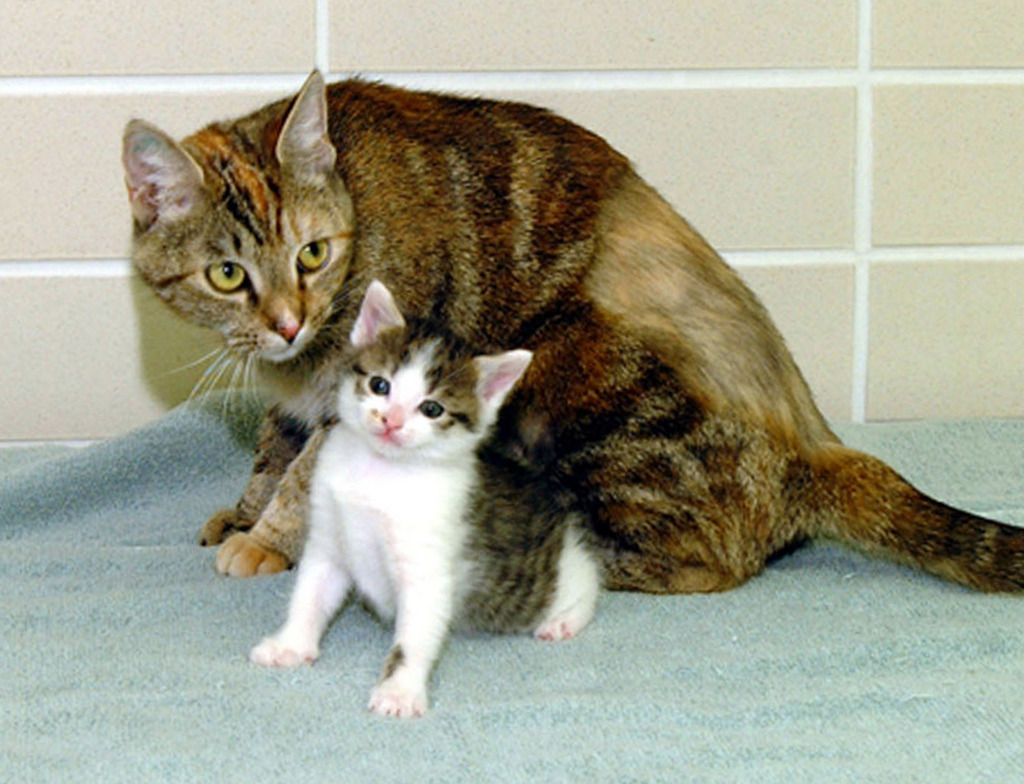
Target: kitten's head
{"x":412,"y":393}
{"x":244,"y":227}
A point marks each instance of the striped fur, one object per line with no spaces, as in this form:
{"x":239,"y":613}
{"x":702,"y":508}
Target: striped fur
{"x":661,"y":393}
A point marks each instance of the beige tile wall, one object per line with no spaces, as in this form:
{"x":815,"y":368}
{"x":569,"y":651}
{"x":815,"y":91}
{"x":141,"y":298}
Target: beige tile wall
{"x":947,"y":339}
{"x":948,"y":33}
{"x":862,"y":163}
{"x":541,"y":34}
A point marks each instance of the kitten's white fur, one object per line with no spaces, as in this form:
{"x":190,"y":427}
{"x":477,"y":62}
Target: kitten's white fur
{"x":579,"y":583}
{"x":387,"y":516}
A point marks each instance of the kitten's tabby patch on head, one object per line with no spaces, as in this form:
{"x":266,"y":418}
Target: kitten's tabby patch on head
{"x":417,"y":394}
{"x":660,"y":393}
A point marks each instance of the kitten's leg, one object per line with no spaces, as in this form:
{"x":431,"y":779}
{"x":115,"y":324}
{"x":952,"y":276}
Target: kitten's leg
{"x":320,"y":589}
{"x":579,"y":583}
{"x":424,"y":612}
{"x":275,"y":541}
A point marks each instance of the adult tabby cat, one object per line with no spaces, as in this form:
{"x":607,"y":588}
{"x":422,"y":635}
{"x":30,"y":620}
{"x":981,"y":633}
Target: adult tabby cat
{"x":659,"y":392}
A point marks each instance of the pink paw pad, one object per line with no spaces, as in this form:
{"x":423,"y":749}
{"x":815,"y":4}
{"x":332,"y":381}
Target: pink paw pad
{"x":555,"y":631}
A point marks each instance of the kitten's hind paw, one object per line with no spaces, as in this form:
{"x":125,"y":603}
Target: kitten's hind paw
{"x":273,"y":653}
{"x":393,"y":698}
{"x":243,"y":556}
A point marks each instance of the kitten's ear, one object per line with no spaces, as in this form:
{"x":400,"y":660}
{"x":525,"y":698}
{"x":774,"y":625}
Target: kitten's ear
{"x":304,"y":146}
{"x":498,"y":373}
{"x":377,"y":313}
{"x":163,"y":180}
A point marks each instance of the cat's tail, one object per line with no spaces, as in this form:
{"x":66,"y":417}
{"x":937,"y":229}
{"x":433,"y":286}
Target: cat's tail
{"x":860,"y":500}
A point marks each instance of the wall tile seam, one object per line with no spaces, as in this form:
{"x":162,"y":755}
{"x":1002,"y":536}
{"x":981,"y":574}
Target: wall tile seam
{"x":575,"y":81}
{"x":322,"y":35}
{"x":863,"y":206}
{"x":741,"y":259}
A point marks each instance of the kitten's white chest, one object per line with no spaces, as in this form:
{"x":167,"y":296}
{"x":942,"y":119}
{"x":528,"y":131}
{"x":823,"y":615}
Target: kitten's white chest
{"x":393,"y":524}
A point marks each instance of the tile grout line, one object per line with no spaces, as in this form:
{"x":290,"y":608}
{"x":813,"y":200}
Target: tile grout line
{"x":863,"y":205}
{"x":582,"y":80}
{"x":69,"y":268}
{"x":784,"y":257}
{"x":322,"y":27}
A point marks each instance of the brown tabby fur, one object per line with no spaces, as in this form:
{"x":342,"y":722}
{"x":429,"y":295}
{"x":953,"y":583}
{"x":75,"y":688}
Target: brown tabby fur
{"x":660,"y":392}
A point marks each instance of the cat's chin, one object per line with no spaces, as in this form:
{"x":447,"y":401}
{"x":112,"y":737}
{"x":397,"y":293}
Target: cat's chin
{"x":280,"y":354}
{"x":275,"y":349}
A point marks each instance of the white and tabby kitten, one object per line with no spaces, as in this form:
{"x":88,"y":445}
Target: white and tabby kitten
{"x":410,"y":509}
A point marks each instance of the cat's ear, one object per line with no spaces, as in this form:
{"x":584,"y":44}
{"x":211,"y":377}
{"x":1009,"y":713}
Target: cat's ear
{"x":498,"y":373}
{"x":377,"y":313}
{"x":304,"y":146}
{"x":164,"y":182}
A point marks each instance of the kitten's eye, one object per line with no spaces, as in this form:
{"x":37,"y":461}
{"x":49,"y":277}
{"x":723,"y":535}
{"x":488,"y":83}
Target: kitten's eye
{"x":314,"y":255}
{"x":226,"y":276}
{"x":431,"y":409}
{"x":379,"y":386}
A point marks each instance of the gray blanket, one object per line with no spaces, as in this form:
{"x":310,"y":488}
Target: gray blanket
{"x":123,"y":654}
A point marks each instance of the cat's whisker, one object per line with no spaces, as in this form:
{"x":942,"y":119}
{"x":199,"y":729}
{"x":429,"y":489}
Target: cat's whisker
{"x":212,"y":376}
{"x":218,"y":349}
{"x":249,"y":380}
{"x":349,"y":290}
{"x":232,"y":387}
{"x":203,"y":379}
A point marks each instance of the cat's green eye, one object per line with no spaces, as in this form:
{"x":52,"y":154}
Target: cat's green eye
{"x":379,"y":386}
{"x":431,"y":409}
{"x":314,"y":255}
{"x":226,"y":276}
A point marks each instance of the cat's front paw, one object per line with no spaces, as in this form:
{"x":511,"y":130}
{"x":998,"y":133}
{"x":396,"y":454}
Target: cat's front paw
{"x":243,"y":556}
{"x":392,"y":697}
{"x":275,"y":653}
{"x":221,"y":526}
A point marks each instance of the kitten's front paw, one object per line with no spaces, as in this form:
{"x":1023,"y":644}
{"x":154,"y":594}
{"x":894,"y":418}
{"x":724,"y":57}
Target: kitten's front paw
{"x":274,"y":653}
{"x":401,"y":700}
{"x":242,"y":556}
{"x":563,"y":626}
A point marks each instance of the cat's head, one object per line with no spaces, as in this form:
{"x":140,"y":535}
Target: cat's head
{"x":244,"y":227}
{"x":412,"y":393}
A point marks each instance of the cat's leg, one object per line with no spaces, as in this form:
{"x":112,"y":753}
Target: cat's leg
{"x":280,"y":441}
{"x":579,"y":583}
{"x":424,"y":612}
{"x":320,"y":589}
{"x":275,"y":541}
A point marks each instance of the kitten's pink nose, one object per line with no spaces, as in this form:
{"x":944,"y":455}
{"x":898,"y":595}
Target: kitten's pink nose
{"x":394,"y":418}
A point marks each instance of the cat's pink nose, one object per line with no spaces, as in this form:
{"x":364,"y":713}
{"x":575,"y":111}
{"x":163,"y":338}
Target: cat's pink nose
{"x":288,"y":329}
